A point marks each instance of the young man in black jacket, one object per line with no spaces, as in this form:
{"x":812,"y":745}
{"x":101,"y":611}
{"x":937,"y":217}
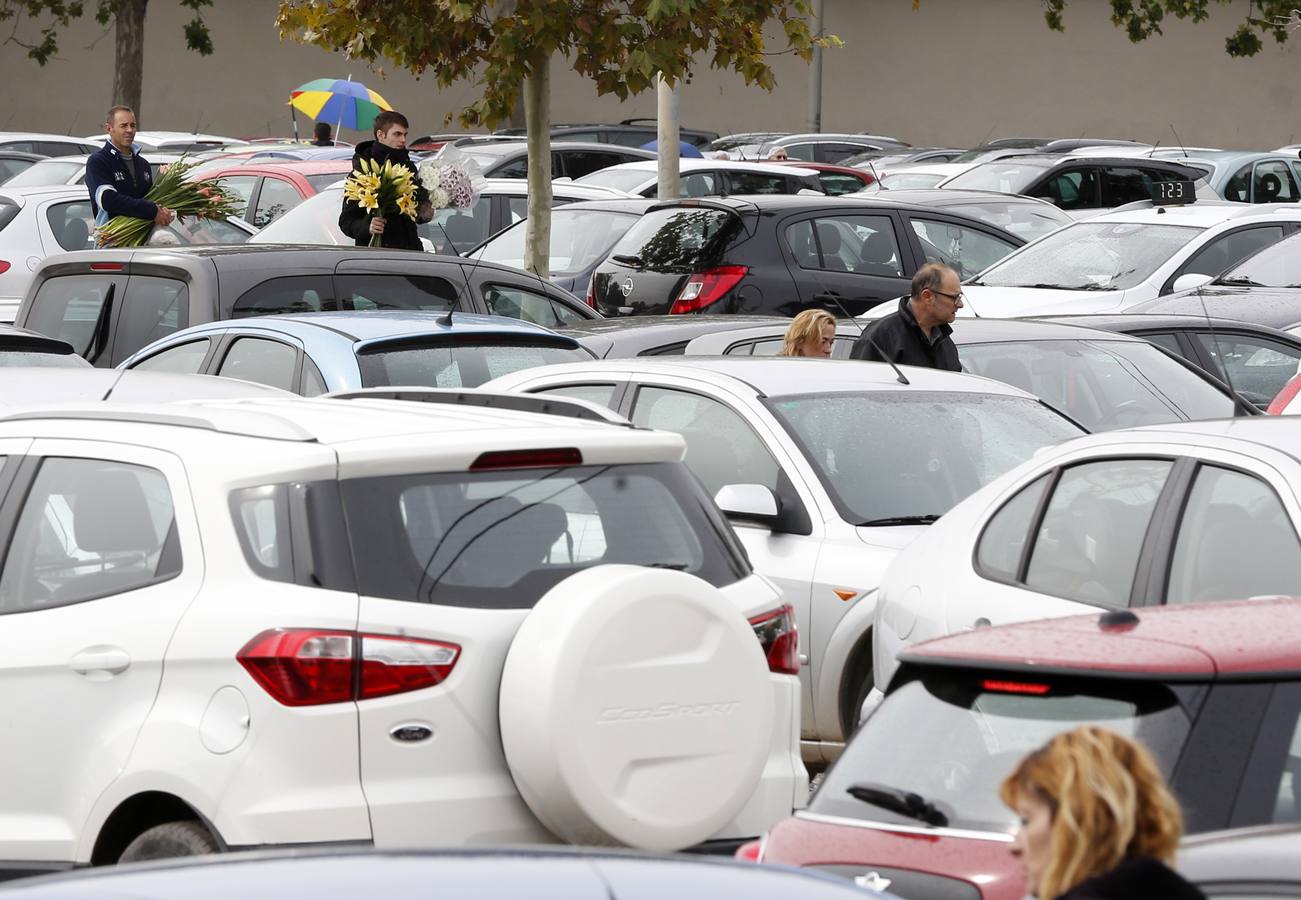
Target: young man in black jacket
{"x":390,"y":145}
{"x":919,"y":332}
{"x":118,"y":177}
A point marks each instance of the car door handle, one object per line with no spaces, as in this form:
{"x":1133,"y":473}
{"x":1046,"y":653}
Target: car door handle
{"x":981,"y":622}
{"x":100,"y":660}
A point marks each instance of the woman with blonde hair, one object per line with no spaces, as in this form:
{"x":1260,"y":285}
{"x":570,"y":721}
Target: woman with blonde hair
{"x":1097,"y":821}
{"x":811,"y":333}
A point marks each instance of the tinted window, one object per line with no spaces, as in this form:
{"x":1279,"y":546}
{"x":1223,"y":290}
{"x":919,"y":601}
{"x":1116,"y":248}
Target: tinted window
{"x":1235,"y":541}
{"x":721,"y":448}
{"x":1004,"y":539}
{"x":1238,"y":188}
{"x":1230,"y":249}
{"x":89,"y":528}
{"x":1071,"y":189}
{"x":675,"y":238}
{"x":453,"y":231}
{"x":153,"y":308}
{"x":805,"y":152}
{"x":862,"y":244}
{"x":755,"y":183}
{"x":1165,"y":339}
{"x":72,"y":224}
{"x":1272,"y":182}
{"x":1126,"y":185}
{"x":275,"y":199}
{"x":1088,"y":544}
{"x":394,"y":292}
{"x":186,"y":358}
{"x":293,"y":294}
{"x":834,"y":153}
{"x":262,"y":361}
{"x":578,"y":163}
{"x":69,"y":307}
{"x":462,"y":364}
{"x":964,"y":249}
{"x":518,"y":303}
{"x":502,"y":539}
{"x":835,"y":184}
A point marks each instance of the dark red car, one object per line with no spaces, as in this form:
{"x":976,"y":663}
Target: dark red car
{"x":270,"y":189}
{"x":912,"y":805}
{"x":835,"y":180}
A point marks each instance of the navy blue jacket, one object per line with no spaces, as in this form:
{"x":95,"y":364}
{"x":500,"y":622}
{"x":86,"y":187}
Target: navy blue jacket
{"x":112,"y":190}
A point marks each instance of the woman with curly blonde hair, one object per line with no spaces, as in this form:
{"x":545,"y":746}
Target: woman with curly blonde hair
{"x":811,"y":333}
{"x":1097,"y":820}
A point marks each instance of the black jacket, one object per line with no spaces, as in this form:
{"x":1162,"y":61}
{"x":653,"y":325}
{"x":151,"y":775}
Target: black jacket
{"x":898,"y":338}
{"x":117,"y":187}
{"x":399,"y":232}
{"x":1141,"y":878}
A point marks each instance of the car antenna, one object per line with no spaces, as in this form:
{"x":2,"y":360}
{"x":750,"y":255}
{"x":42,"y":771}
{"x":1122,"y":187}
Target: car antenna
{"x":455,"y":301}
{"x":862,"y":332}
{"x":880,"y":186}
{"x":1238,"y":400}
{"x":985,"y":139}
{"x":1178,"y":140}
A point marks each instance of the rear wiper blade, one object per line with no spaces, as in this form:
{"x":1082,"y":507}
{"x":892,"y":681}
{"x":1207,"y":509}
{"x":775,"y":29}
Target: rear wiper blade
{"x":902,"y":520}
{"x":905,"y":803}
{"x":626,"y":259}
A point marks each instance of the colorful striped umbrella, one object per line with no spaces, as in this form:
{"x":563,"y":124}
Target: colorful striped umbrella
{"x":342,"y":103}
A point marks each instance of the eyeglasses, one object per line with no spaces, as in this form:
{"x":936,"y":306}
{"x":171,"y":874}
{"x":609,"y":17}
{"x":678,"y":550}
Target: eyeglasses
{"x":956,"y":298}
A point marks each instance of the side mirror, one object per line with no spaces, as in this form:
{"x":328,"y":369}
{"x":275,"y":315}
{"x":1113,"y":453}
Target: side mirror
{"x":1190,"y":281}
{"x":755,"y":502}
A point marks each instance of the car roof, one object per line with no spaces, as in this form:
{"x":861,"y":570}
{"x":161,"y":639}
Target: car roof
{"x":1205,"y":641}
{"x":958,"y":196}
{"x":1128,"y":323}
{"x":1277,"y":306}
{"x":777,"y":376}
{"x":301,"y":166}
{"x":692,"y":164}
{"x":507,"y":146}
{"x":381,"y":324}
{"x":1203,"y":213}
{"x":1266,"y":853}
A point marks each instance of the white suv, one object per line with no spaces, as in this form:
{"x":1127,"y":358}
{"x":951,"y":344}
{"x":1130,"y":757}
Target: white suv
{"x":244,"y":623}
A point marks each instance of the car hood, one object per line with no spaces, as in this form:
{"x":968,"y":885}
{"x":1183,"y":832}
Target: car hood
{"x":890,"y":537}
{"x":1008,"y":302}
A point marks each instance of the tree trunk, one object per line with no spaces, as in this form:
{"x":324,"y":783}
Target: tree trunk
{"x":667,"y":136}
{"x":537,"y":115}
{"x":129,"y":64}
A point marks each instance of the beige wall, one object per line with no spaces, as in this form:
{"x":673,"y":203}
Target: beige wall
{"x":952,"y":73}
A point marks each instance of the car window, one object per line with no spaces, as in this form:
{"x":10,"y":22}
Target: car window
{"x":1230,"y":249}
{"x":676,"y":237}
{"x":517,"y":168}
{"x":153,"y":308}
{"x":313,"y":383}
{"x":834,"y":184}
{"x":11,"y":167}
{"x":756,"y":183}
{"x":262,"y":361}
{"x":600,"y":394}
{"x":1004,"y":539}
{"x":579,"y":136}
{"x":1165,"y":339}
{"x":291,"y":294}
{"x":242,"y":187}
{"x":1126,"y":185}
{"x":1071,"y":189}
{"x":1272,"y":182}
{"x":185,"y":358}
{"x":964,"y":249}
{"x":698,"y":184}
{"x":578,"y":163}
{"x":1256,"y":367}
{"x":89,"y":528}
{"x":1238,"y":188}
{"x":831,"y":152}
{"x":1235,"y":541}
{"x":517,"y":303}
{"x":1093,"y":528}
{"x":72,"y":224}
{"x":453,"y":231}
{"x":321,"y":182}
{"x":1271,"y":790}
{"x":365,"y":292}
{"x":274,"y":200}
{"x":194,"y":230}
{"x":461,"y":364}
{"x":1277,"y":265}
{"x":862,"y":244}
{"x":502,"y":539}
{"x":805,"y":152}
{"x":70,"y":306}
{"x":722,"y":448}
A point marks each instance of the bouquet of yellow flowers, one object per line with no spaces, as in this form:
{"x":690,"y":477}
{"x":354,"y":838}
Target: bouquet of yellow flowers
{"x":202,"y":199}
{"x":383,"y":190}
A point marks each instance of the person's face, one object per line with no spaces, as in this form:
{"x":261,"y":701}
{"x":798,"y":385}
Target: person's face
{"x":395,"y":137}
{"x":122,"y":130}
{"x":1033,"y":842}
{"x":820,"y":346}
{"x":946,"y":301}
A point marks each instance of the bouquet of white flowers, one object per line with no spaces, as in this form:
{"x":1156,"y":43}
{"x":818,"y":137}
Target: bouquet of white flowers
{"x":452,"y":179}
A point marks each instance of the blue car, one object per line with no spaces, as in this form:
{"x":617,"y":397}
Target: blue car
{"x":318,"y":353}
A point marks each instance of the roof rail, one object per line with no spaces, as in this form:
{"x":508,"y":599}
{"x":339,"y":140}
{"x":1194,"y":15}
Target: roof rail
{"x":240,"y":422}
{"x":568,"y":407}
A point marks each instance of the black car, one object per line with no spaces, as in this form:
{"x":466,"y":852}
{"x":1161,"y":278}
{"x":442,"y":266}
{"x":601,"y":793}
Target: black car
{"x":1255,"y":360}
{"x":509,"y":158}
{"x":777,"y":254}
{"x":110,"y":303}
{"x":1077,"y":183}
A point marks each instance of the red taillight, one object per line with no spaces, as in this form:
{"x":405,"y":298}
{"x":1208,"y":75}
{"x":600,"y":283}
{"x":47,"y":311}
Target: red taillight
{"x":707,"y":287}
{"x":4,"y":266}
{"x":527,"y":459}
{"x":779,"y":639}
{"x":106,"y":267}
{"x":1277,"y":405}
{"x":590,"y":299}
{"x":1015,"y":687}
{"x":749,"y":851}
{"x":307,"y":667}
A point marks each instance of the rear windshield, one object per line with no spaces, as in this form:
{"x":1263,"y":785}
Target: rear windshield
{"x":459,"y":365}
{"x":1007,"y":177}
{"x":580,"y":238}
{"x":952,"y":739}
{"x":675,"y":238}
{"x":502,"y":539}
{"x":620,"y":179}
{"x":36,"y":359}
{"x":69,"y":308}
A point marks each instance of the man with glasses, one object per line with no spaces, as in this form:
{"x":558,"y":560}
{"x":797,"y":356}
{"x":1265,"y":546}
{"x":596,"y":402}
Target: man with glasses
{"x":919,"y":332}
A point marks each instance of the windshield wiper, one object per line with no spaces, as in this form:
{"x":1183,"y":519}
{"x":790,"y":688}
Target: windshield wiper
{"x":905,"y":803}
{"x":901,"y":520}
{"x":1045,"y":286}
{"x":1244,"y":280}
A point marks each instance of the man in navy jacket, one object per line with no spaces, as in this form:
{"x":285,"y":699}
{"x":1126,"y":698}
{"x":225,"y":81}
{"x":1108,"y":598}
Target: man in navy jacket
{"x":118,"y":177}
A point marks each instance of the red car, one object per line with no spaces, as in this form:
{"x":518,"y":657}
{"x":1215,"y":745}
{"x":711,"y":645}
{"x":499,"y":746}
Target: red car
{"x":912,"y":805}
{"x":271,"y":189}
{"x":836,"y":180}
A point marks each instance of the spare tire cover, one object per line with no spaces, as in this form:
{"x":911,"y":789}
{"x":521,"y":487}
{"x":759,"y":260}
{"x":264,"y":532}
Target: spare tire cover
{"x":636,"y":709}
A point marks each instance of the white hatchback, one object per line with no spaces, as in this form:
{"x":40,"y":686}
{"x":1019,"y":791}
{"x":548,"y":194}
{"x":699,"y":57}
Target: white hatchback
{"x":234,"y":624}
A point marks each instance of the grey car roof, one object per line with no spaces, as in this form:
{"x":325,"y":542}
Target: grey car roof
{"x":1268,"y":853}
